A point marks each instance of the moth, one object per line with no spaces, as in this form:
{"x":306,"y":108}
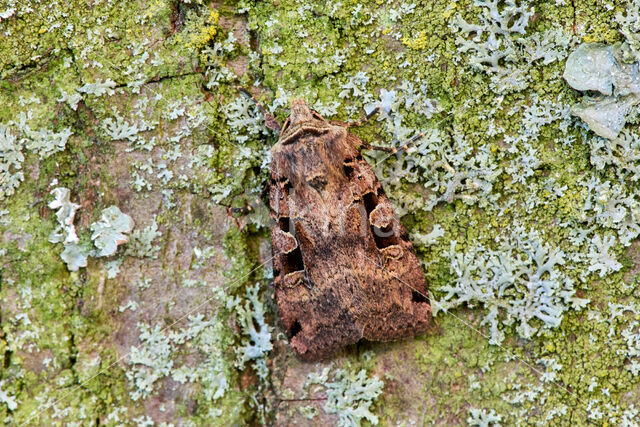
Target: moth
{"x":344,"y":268}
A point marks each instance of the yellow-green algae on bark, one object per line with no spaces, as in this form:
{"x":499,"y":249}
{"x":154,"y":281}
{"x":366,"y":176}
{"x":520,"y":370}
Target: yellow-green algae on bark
{"x":506,"y":185}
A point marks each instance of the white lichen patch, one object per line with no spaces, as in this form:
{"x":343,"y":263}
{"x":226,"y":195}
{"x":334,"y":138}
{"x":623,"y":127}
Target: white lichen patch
{"x":601,"y":68}
{"x":256,"y":333}
{"x":17,"y":136}
{"x":499,"y":47}
{"x":157,"y":357}
{"x":7,"y":399}
{"x":350,"y":394}
{"x":66,"y":211}
{"x":520,"y":282}
{"x":107,"y":233}
{"x":99,"y":88}
{"x":110,"y":231}
{"x":483,"y":418}
{"x":11,"y":159}
{"x":74,"y":255}
{"x":141,"y":242}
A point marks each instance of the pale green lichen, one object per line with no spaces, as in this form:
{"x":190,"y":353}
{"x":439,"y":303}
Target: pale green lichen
{"x":155,"y":358}
{"x":350,"y":394}
{"x":107,"y":233}
{"x":141,"y":242}
{"x":74,"y":254}
{"x":521,"y":282}
{"x":17,"y":136}
{"x":110,"y":231}
{"x":7,"y":399}
{"x":483,"y":418}
{"x":598,"y":67}
{"x":629,"y":21}
{"x":98,"y":88}
{"x":256,"y":343}
{"x":66,"y":211}
{"x":11,"y":162}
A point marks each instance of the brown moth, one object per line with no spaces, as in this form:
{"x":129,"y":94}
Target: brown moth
{"x":344,"y":268}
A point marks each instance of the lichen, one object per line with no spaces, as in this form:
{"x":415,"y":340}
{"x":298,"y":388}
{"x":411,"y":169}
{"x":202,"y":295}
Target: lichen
{"x":598,"y":67}
{"x":66,"y":231}
{"x":350,"y":394}
{"x":483,"y":418}
{"x":74,"y":254}
{"x":145,"y":95}
{"x":11,"y":163}
{"x":141,"y":242}
{"x":520,"y":282}
{"x":110,"y":231}
{"x":256,"y":343}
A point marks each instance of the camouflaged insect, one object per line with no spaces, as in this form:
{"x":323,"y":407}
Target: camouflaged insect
{"x":344,"y":268}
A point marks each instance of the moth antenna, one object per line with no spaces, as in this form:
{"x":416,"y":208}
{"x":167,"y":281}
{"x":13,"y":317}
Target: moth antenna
{"x":270,"y":121}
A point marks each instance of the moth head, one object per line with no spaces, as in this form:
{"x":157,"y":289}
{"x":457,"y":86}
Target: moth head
{"x":301,"y":119}
{"x":300,"y":113}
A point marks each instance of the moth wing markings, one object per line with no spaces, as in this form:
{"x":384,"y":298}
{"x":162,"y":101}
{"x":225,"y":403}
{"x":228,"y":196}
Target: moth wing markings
{"x":295,"y":301}
{"x":385,"y":228}
{"x":330,"y":324}
{"x":396,"y":312}
{"x":286,"y":259}
{"x":393,"y":238}
{"x":321,"y":320}
{"x":316,"y":320}
{"x":398,"y":280}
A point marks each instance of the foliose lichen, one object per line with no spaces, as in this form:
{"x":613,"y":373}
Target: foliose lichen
{"x":350,"y":394}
